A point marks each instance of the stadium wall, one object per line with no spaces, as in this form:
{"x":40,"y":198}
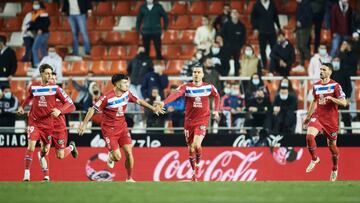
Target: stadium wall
{"x":171,"y":164}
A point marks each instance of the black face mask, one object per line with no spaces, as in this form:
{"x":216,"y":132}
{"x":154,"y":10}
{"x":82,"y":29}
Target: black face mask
{"x":96,"y":92}
{"x":259,"y":99}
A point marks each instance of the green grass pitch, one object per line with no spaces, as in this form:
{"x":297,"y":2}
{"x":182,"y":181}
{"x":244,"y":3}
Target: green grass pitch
{"x":182,"y":192}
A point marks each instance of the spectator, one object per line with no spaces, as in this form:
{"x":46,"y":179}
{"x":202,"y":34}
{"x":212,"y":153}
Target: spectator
{"x":55,"y":61}
{"x":303,"y":30}
{"x":286,"y":83}
{"x":28,"y":36}
{"x":39,"y":26}
{"x":258,"y":138}
{"x":195,"y":60}
{"x":175,"y":109}
{"x":8,"y":62}
{"x":256,"y":83}
{"x":86,"y":93}
{"x":152,"y":119}
{"x":233,"y":105}
{"x":316,"y":61}
{"x":221,"y":19}
{"x":76,"y":10}
{"x":234,"y":34}
{"x":218,"y":57}
{"x":318,"y":9}
{"x":341,"y":15}
{"x":151,"y":12}
{"x":155,"y":79}
{"x":258,"y":109}
{"x":137,"y":68}
{"x":8,"y":106}
{"x":204,"y":35}
{"x":211,"y":75}
{"x":282,"y":56}
{"x":284,"y":107}
{"x":263,"y":17}
{"x":249,"y":63}
{"x":341,"y":75}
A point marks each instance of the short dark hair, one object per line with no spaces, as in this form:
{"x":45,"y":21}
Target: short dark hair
{"x":53,"y":73}
{"x":45,"y":66}
{"x":117,"y":77}
{"x":329,"y":65}
{"x":3,"y":39}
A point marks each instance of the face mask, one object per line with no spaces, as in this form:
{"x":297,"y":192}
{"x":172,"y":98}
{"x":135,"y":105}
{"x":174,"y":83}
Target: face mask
{"x":322,"y":52}
{"x":256,"y":81}
{"x":259,"y":99}
{"x":336,"y":65}
{"x":198,"y":56}
{"x":248,"y":53}
{"x":52,"y":54}
{"x":215,"y":50}
{"x":7,"y":95}
{"x":235,"y":92}
{"x":36,"y":7}
{"x":149,"y":1}
{"x":284,"y":84}
{"x":227,"y":90}
{"x":284,"y":96}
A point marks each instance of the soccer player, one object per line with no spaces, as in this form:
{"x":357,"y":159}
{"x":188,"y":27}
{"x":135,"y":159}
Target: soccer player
{"x":323,"y":117}
{"x":197,"y":113}
{"x":113,"y":126}
{"x":59,"y":137}
{"x":41,"y":116}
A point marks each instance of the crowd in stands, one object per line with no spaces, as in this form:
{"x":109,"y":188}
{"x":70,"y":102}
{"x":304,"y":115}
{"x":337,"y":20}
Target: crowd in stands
{"x":242,"y":38}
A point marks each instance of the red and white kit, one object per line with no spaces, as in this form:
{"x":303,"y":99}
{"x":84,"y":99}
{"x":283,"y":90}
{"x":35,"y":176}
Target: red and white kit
{"x":197,"y":107}
{"x":60,"y":134}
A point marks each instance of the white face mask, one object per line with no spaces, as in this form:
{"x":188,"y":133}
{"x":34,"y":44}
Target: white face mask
{"x":52,"y":54}
{"x":284,"y":96}
{"x":235,"y":92}
{"x":248,"y":52}
{"x":215,"y":50}
{"x":322,"y":52}
{"x":336,"y":65}
{"x":227,"y":90}
{"x":198,"y":56}
{"x":149,"y":1}
{"x":7,"y":95}
{"x":256,"y":81}
{"x":36,"y":7}
{"x":284,"y":84}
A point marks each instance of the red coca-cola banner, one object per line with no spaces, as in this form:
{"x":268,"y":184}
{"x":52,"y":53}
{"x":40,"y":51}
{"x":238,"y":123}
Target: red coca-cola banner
{"x":171,"y":164}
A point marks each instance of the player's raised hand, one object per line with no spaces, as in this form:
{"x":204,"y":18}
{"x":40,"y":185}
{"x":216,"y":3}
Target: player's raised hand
{"x":158,"y":108}
{"x":55,"y":112}
{"x":81,"y":129}
{"x":20,"y":111}
{"x":216,"y":116}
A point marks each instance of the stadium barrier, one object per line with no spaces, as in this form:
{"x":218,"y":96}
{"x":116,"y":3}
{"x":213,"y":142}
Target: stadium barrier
{"x":171,"y":164}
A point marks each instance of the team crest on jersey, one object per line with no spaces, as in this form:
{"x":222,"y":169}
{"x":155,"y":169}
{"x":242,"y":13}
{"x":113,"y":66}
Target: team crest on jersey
{"x":42,"y":101}
{"x":49,"y":137}
{"x":197,"y":102}
{"x":313,"y":119}
{"x":61,"y":141}
{"x":322,"y":100}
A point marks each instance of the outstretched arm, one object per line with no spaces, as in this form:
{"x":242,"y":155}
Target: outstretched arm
{"x":310,"y":112}
{"x":87,"y":118}
{"x":152,"y":108}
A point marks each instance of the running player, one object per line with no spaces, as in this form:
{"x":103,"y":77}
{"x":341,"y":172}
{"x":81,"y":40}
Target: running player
{"x":197,"y":113}
{"x":41,"y":116}
{"x":113,"y":126}
{"x":59,"y":137}
{"x":322,"y":117}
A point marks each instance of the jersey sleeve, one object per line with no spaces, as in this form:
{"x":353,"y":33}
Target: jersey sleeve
{"x":216,"y":96}
{"x":28,"y":98}
{"x":101,"y":103}
{"x":313,"y":92}
{"x":133,"y":98}
{"x":179,"y":92}
{"x":68,"y":106}
{"x":339,"y":93}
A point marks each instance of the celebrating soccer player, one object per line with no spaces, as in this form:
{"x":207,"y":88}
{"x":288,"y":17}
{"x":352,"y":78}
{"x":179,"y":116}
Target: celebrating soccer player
{"x":323,"y":117}
{"x":197,"y":113}
{"x":113,"y":126}
{"x":41,"y":117}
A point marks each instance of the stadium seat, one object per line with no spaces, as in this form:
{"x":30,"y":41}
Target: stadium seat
{"x":55,"y":23}
{"x":106,"y":23}
{"x":174,"y":67}
{"x":118,"y":66}
{"x":116,"y":53}
{"x":238,"y":5}
{"x":171,"y":51}
{"x":196,"y":22}
{"x":104,"y":9}
{"x":136,"y":7}
{"x":179,"y":8}
{"x":112,"y":38}
{"x":56,"y":38}
{"x":182,"y":22}
{"x":130,"y":37}
{"x":10,"y":9}
{"x":12,"y":24}
{"x":198,"y":8}
{"x":187,"y":37}
{"x":66,"y":68}
{"x":52,"y":9}
{"x":98,"y":52}
{"x":325,"y":36}
{"x":187,"y":52}
{"x":289,"y":8}
{"x":20,"y":52}
{"x":27,"y":7}
{"x":80,"y":68}
{"x":95,"y":38}
{"x":215,"y":8}
{"x":169,"y":37}
{"x":62,"y":51}
{"x":249,"y":7}
{"x":18,"y":88}
{"x":64,"y":24}
{"x":131,"y":52}
{"x":291,"y":23}
{"x":91,"y":23}
{"x":22,"y":68}
{"x":122,"y":8}
{"x":99,"y":67}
